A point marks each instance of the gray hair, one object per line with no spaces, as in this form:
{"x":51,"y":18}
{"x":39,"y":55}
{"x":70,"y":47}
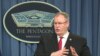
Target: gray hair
{"x":66,"y":15}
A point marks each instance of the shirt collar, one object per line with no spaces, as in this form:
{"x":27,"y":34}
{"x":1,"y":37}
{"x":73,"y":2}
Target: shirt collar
{"x":65,"y":35}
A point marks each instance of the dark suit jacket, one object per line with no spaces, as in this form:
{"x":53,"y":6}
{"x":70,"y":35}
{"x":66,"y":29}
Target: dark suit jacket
{"x":48,"y":45}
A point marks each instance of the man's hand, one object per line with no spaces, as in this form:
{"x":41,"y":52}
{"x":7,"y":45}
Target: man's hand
{"x":62,"y":52}
{"x":73,"y":51}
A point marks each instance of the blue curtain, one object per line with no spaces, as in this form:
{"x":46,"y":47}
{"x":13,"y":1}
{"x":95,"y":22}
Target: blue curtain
{"x":84,"y":21}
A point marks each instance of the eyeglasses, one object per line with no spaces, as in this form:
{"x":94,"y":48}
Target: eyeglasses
{"x":60,"y":23}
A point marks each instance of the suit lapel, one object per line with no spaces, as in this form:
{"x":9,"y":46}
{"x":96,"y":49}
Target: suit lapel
{"x":54,"y":43}
{"x":68,"y":43}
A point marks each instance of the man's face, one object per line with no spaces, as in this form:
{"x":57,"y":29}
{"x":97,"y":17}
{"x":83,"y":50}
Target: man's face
{"x":61,"y":25}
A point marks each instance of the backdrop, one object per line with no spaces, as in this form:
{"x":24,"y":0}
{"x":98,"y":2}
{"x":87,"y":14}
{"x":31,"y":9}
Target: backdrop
{"x":84,"y":21}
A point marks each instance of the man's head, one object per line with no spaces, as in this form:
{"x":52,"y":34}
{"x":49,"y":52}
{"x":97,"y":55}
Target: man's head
{"x":61,"y":23}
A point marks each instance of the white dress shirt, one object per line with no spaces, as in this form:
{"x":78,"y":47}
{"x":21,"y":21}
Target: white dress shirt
{"x":64,"y":39}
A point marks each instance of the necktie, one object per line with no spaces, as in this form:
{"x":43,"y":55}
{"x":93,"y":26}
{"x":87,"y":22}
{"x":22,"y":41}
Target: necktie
{"x":60,"y":43}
